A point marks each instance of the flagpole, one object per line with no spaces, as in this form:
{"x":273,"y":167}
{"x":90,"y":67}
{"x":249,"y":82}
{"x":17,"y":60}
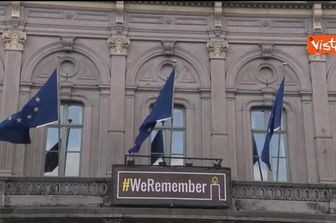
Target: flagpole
{"x":172,"y":118}
{"x":261,"y":176}
{"x":59,"y":108}
{"x":279,"y":140}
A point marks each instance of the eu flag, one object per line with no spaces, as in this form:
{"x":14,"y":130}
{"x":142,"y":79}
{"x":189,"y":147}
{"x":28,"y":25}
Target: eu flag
{"x":274,"y":123}
{"x":161,"y":111}
{"x":157,"y":147}
{"x":51,"y":159}
{"x":40,"y":110}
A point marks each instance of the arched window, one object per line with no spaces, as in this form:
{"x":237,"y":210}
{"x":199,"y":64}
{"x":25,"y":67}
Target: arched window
{"x":177,"y":147}
{"x":278,"y":147}
{"x":65,"y":160}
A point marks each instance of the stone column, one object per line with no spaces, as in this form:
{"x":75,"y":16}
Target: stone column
{"x":14,"y":42}
{"x":217,"y":49}
{"x":323,"y":139}
{"x":118,"y":52}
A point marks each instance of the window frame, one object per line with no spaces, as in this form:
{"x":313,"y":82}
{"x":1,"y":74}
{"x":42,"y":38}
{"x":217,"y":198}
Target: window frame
{"x":65,"y":127}
{"x":167,"y":134}
{"x":271,"y":175}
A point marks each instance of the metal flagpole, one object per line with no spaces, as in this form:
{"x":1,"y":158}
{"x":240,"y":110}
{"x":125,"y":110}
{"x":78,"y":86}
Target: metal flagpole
{"x":278,"y":155}
{"x":261,"y":176}
{"x":172,"y":118}
{"x":279,"y":140}
{"x":59,"y":108}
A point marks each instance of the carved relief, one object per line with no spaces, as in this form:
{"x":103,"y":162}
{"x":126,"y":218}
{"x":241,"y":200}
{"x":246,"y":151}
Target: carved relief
{"x":277,"y":192}
{"x":217,"y":49}
{"x":14,"y":40}
{"x":118,"y":46}
{"x":168,"y":47}
{"x":56,"y":188}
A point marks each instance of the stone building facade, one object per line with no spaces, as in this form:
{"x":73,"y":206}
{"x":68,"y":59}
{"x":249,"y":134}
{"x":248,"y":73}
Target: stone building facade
{"x":113,"y":57}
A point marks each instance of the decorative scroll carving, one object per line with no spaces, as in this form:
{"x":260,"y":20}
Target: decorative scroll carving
{"x":317,"y":57}
{"x":118,"y":46}
{"x":218,"y":19}
{"x":266,"y":50}
{"x":120,"y":12}
{"x":317,"y":17}
{"x":168,"y":47}
{"x":14,"y":40}
{"x":56,"y":188}
{"x":288,"y":192}
{"x":217,"y":49}
{"x":15,"y":9}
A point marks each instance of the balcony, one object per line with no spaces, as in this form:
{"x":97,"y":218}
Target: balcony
{"x":81,"y":198}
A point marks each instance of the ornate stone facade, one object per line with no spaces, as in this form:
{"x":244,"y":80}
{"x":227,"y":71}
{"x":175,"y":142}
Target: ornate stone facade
{"x":114,"y":58}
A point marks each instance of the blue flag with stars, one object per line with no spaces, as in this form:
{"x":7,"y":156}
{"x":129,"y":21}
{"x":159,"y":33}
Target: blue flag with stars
{"x":161,"y":111}
{"x":39,"y":111}
{"x":274,"y":123}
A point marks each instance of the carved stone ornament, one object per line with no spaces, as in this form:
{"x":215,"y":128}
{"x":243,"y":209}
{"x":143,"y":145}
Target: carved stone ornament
{"x":317,"y":57}
{"x":15,"y":9}
{"x":118,"y":46}
{"x":317,"y":17}
{"x":266,"y":50}
{"x":168,"y":47}
{"x":14,"y":40}
{"x":217,"y":49}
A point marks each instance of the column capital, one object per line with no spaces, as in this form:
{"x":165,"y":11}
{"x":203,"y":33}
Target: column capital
{"x":14,"y":40}
{"x":317,"y":57}
{"x":118,"y":45}
{"x":217,"y":49}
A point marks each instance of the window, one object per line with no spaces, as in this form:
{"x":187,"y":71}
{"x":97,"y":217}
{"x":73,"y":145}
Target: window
{"x":176,"y":148}
{"x":278,"y":159}
{"x":65,"y":160}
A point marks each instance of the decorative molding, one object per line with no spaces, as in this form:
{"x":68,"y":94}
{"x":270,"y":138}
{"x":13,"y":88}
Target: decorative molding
{"x":15,"y":9}
{"x":68,"y":43}
{"x":168,"y":47}
{"x":317,"y":57}
{"x":48,"y":187}
{"x":282,"y":191}
{"x":266,"y":50}
{"x":218,"y":15}
{"x":118,"y":45}
{"x":317,"y":17}
{"x":119,"y":12}
{"x":14,"y":40}
{"x":217,"y":49}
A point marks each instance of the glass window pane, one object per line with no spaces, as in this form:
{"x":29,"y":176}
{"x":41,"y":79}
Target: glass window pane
{"x":258,"y":120}
{"x":282,"y":169}
{"x":72,"y":164}
{"x":178,"y":142}
{"x":74,"y":142}
{"x":52,"y":137}
{"x":75,"y":114}
{"x":178,"y":118}
{"x":274,"y":145}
